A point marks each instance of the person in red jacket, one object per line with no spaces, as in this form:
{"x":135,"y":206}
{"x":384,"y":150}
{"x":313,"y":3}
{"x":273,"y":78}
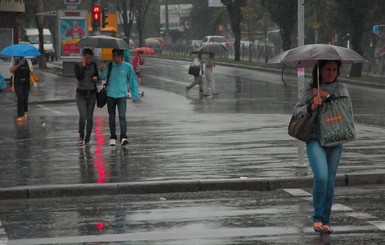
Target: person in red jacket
{"x":137,"y":64}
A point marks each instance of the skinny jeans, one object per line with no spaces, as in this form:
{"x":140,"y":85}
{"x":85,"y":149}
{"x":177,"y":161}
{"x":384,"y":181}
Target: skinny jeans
{"x":324,"y":162}
{"x":85,"y":101}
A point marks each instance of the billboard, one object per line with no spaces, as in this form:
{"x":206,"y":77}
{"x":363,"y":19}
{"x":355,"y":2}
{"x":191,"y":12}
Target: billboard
{"x":72,"y":27}
{"x":177,"y":17}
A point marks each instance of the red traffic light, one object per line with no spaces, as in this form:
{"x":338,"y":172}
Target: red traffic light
{"x":96,"y":12}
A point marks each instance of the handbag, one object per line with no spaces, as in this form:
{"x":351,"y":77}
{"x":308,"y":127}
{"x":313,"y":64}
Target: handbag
{"x":302,"y":127}
{"x":194,"y":70}
{"x":336,"y":122}
{"x":33,"y":79}
{"x":101,"y":96}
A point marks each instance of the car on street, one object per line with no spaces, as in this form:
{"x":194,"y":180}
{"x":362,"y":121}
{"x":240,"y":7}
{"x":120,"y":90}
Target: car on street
{"x":214,"y":39}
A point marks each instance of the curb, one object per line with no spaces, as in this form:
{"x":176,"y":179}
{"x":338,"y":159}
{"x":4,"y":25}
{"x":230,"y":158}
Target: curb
{"x":255,"y":184}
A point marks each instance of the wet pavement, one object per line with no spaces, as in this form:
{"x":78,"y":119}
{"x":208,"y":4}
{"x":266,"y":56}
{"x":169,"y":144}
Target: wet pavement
{"x":182,"y":150}
{"x":199,"y":218}
{"x":172,"y":137}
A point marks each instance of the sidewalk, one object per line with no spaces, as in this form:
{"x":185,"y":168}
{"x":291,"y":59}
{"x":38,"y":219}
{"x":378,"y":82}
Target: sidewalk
{"x":172,"y":149}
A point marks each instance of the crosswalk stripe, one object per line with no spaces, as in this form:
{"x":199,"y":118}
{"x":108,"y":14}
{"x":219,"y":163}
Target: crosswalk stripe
{"x":341,"y":208}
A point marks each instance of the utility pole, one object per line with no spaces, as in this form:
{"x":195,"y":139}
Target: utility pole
{"x":167,"y":27}
{"x":301,"y":74}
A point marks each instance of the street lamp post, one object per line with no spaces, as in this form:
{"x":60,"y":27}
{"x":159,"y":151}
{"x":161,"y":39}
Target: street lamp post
{"x":301,"y":75}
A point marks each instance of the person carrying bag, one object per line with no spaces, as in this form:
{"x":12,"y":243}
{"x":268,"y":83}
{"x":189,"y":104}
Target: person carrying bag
{"x":327,"y":97}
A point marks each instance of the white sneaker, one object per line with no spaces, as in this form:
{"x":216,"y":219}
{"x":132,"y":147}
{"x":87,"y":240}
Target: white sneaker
{"x":112,"y":142}
{"x":124,"y":142}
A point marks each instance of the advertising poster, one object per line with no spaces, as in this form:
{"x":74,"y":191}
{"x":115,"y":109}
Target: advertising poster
{"x":71,"y":31}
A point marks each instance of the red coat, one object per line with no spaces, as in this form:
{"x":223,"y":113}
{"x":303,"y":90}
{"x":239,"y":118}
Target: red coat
{"x":137,"y":60}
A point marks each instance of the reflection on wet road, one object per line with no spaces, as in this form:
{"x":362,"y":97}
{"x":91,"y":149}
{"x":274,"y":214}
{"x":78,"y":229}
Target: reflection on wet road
{"x":214,"y":218}
{"x":240,"y":133}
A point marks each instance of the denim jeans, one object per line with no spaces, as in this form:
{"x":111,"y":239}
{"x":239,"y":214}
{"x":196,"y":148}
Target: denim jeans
{"x":86,"y":105}
{"x":121,"y":103}
{"x":324,"y":162}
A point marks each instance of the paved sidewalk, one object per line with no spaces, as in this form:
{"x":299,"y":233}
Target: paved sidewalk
{"x":172,"y":149}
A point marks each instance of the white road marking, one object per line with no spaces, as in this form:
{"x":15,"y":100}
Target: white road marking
{"x":51,"y":110}
{"x":380,"y":224}
{"x":165,"y":79}
{"x":341,"y":208}
{"x":297,"y":192}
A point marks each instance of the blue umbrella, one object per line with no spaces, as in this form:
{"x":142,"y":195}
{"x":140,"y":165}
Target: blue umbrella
{"x":21,"y":49}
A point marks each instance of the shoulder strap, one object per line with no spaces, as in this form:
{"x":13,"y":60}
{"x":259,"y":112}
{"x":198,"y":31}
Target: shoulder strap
{"x":109,"y":72}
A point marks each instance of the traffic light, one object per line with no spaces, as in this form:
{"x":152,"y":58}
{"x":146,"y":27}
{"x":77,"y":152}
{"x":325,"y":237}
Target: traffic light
{"x":95,"y":17}
{"x":104,"y":17}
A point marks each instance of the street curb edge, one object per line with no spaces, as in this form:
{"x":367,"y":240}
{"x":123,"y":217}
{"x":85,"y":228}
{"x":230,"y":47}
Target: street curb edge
{"x":254,"y":184}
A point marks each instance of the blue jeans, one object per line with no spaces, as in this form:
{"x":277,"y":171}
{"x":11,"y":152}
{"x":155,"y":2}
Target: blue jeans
{"x":324,"y":162}
{"x":121,"y":103}
{"x":86,"y":105}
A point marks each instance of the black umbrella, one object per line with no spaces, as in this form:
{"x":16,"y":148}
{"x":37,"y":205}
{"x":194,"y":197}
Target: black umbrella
{"x":213,"y":48}
{"x":102,"y":41}
{"x":309,"y":55}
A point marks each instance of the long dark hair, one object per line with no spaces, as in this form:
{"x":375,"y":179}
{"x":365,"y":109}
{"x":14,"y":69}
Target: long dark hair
{"x":321,"y":64}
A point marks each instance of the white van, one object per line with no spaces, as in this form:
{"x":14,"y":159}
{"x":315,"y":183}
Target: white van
{"x":32,"y":36}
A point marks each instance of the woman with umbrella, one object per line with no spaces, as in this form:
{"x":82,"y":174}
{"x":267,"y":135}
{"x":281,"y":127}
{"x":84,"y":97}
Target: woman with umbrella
{"x":86,"y":73}
{"x":324,"y":161}
{"x":21,"y":69}
{"x":326,"y":60}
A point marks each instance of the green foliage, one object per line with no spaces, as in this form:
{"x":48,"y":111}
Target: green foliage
{"x":284,"y":14}
{"x":203,"y":19}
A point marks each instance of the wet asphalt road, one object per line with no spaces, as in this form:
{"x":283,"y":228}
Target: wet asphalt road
{"x":173,"y":136}
{"x":168,"y":142}
{"x":242,"y":132}
{"x":204,"y":218}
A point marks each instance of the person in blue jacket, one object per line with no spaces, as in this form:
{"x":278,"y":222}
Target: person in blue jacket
{"x":121,"y":78}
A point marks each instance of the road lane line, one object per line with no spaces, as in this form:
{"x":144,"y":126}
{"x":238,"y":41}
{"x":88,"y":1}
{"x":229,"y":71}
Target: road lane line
{"x":51,"y":110}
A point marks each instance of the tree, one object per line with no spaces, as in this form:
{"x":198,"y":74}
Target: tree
{"x":126,"y":11}
{"x":357,"y":14}
{"x":284,"y":14}
{"x":202,"y":20}
{"x":140,"y":14}
{"x":235,"y":14}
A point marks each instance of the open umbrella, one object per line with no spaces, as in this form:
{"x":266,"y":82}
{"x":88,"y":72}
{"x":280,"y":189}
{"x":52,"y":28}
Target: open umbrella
{"x":144,"y":50}
{"x":215,"y":48}
{"x":103,"y":41}
{"x":309,"y":55}
{"x":21,"y":49}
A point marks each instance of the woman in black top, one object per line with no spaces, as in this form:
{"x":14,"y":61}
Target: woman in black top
{"x":21,"y":85}
{"x":86,"y":73}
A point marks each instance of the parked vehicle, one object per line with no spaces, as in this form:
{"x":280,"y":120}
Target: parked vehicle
{"x":31,"y":35}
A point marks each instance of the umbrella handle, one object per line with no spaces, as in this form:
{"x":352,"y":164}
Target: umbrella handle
{"x":318,"y":78}
{"x":283,"y":80}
